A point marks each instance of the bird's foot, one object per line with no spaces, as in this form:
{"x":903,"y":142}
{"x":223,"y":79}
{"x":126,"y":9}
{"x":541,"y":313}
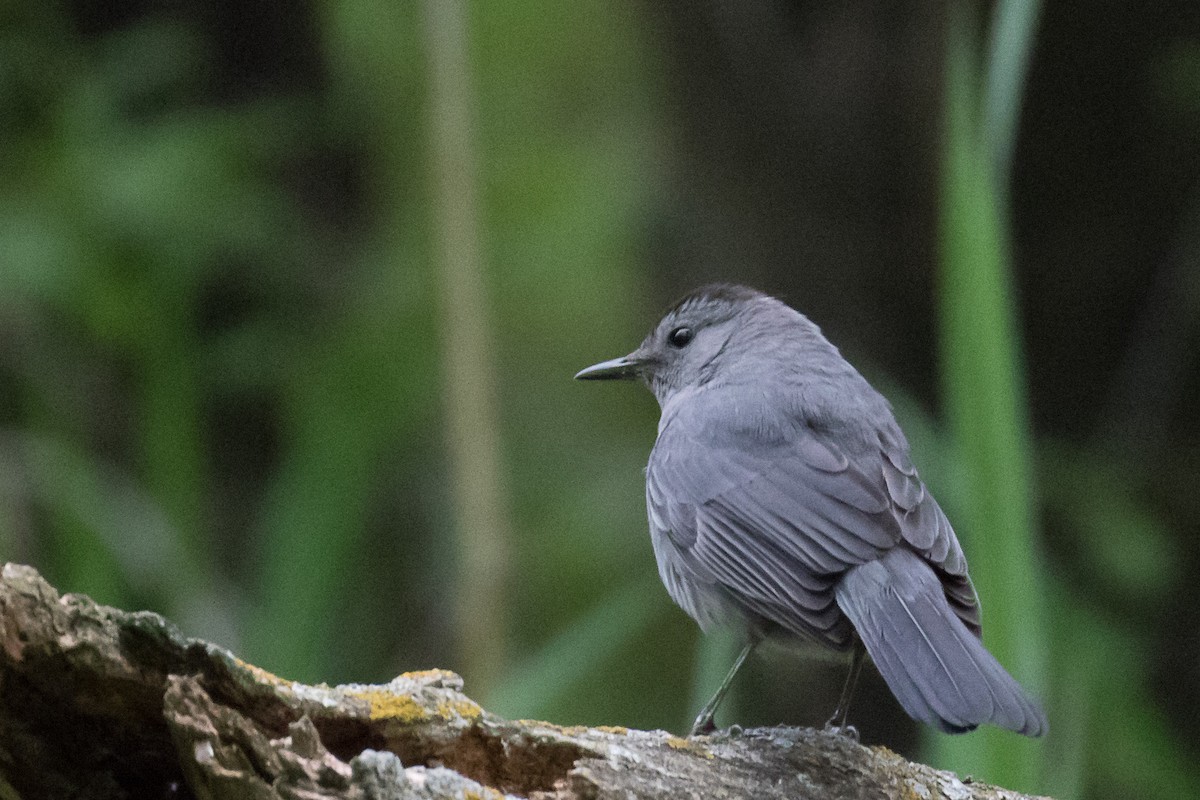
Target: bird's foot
{"x":703,"y":726}
{"x":849,"y":731}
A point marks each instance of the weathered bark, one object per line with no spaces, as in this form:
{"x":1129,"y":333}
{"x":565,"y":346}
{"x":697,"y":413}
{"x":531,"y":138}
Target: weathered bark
{"x":101,"y":703}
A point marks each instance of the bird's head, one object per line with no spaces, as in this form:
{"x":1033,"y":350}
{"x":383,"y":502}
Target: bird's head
{"x":693,"y":344}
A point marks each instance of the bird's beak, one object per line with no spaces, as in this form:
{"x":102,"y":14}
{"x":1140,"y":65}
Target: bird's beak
{"x":623,"y":368}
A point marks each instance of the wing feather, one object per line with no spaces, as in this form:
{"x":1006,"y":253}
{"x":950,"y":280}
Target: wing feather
{"x":771,"y":524}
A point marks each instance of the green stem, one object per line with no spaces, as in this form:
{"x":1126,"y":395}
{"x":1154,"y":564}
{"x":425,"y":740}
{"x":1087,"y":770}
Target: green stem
{"x":986,"y":405}
{"x":472,"y":421}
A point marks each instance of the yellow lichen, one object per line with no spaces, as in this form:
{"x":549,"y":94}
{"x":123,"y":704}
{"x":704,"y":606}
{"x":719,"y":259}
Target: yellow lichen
{"x":488,"y":794}
{"x":677,"y":743}
{"x":459,"y":707}
{"x":429,"y":675}
{"x":617,"y":729}
{"x":261,"y":675}
{"x":538,"y":723}
{"x":389,"y":705}
{"x":406,"y":709}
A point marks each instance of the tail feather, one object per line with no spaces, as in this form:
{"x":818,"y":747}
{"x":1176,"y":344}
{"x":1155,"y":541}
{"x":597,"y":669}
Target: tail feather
{"x":935,"y":666}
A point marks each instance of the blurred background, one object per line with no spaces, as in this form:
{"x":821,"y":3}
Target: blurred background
{"x":291,"y":294}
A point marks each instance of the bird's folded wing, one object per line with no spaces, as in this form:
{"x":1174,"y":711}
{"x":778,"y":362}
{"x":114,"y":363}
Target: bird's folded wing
{"x":776,"y":524}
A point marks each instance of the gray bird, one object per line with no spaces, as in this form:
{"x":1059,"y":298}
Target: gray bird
{"x":782,"y":501}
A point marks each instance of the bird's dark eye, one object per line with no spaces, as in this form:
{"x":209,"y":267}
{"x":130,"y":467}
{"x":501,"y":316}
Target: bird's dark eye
{"x":680,"y":336}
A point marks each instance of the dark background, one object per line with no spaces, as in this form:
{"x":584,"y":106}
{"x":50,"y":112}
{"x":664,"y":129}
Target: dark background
{"x":224,"y":346}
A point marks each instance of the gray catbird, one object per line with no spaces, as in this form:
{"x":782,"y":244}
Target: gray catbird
{"x":782,"y":500}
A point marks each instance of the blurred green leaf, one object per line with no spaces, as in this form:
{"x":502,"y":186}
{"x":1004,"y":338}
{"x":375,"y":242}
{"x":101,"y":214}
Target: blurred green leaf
{"x":985,"y":400}
{"x":539,"y":686}
{"x":1115,"y":532}
{"x":1111,"y":727}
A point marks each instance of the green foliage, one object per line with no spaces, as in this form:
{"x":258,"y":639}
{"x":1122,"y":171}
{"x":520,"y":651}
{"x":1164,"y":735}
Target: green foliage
{"x":167,"y":268}
{"x":985,"y":400}
{"x":544,"y":684}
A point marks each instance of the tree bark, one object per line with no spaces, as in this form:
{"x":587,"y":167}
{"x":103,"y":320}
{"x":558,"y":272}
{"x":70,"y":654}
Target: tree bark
{"x":101,"y":703}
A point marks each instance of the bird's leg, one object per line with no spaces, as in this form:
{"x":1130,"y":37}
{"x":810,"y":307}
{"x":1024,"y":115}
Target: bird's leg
{"x":840,"y":715}
{"x":704,"y":722}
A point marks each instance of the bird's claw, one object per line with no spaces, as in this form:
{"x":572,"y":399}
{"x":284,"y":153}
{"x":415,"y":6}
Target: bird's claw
{"x":849,"y":731}
{"x":703,"y":726}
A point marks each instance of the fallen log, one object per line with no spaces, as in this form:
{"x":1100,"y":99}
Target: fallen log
{"x":100,"y":703}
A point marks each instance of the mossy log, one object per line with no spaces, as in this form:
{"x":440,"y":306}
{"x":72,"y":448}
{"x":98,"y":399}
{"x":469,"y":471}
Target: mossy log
{"x":98,"y":703}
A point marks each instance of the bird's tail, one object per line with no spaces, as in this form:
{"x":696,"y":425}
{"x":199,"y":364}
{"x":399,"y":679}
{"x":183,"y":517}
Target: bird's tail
{"x":939,"y":671}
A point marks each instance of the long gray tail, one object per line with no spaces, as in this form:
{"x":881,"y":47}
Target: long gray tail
{"x":938,"y":670}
